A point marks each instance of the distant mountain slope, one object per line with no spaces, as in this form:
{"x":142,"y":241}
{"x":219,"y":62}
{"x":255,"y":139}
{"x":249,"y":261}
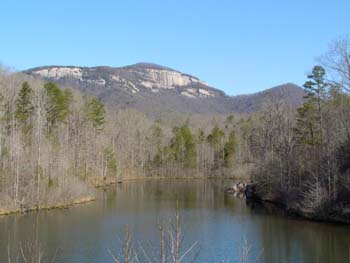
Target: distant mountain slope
{"x":290,"y":93}
{"x":158,"y":90}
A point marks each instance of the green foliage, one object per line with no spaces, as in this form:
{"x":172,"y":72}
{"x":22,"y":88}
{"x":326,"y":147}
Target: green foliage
{"x":57,"y":105}
{"x":110,"y":159}
{"x":245,"y":126}
{"x":4,"y":152}
{"x":229,"y":121}
{"x":183,"y":146}
{"x":155,"y":141}
{"x":201,"y":136}
{"x":24,"y":105}
{"x":24,"y":108}
{"x":156,"y":135}
{"x":178,"y":145}
{"x":2,"y":102}
{"x":307,"y":130}
{"x":163,"y":156}
{"x":69,"y":99}
{"x":50,"y":182}
{"x":95,"y":113}
{"x":316,"y":87}
{"x":309,"y":118}
{"x":229,"y":149}
{"x":157,"y":159}
{"x":215,"y":138}
{"x":216,"y":141}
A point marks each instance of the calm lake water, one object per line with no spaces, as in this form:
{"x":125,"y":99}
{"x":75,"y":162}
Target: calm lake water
{"x":219,"y":222}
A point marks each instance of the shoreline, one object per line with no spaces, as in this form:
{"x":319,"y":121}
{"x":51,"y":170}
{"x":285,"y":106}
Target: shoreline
{"x":266,"y":204}
{"x":114,"y":181}
{"x":105,"y":183}
{"x":65,"y":205}
{"x":276,"y":207}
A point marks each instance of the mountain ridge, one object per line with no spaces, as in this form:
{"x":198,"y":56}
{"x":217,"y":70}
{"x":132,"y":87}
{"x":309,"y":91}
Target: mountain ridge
{"x":154,"y":89}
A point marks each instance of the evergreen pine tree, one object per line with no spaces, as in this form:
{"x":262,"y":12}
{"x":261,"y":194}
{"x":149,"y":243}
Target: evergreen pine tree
{"x":229,"y":148}
{"x":309,"y":118}
{"x":95,"y":113}
{"x":184,"y":146}
{"x":56,"y":105}
{"x":215,"y":139}
{"x":24,"y":108}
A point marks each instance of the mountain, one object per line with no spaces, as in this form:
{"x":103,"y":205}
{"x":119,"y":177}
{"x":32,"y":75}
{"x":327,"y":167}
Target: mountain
{"x":159,"y":90}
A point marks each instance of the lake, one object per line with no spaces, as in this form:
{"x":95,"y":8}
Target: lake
{"x":220,"y":223}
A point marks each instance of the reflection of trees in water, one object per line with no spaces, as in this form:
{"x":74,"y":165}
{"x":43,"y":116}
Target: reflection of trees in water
{"x":27,"y":247}
{"x":187,"y":193}
{"x":293,"y":240}
{"x":206,"y":210}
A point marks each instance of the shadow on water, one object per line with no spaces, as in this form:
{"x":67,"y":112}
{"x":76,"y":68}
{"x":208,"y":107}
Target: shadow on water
{"x":218,"y":221}
{"x":293,"y":239}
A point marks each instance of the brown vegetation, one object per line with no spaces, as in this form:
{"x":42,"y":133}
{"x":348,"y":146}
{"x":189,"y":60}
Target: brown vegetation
{"x":302,"y":156}
{"x":56,"y":145}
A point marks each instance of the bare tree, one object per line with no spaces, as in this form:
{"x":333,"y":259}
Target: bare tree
{"x":171,"y":247}
{"x":337,"y":61}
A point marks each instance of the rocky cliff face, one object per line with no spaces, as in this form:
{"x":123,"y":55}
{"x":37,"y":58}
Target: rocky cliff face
{"x":132,"y":79}
{"x":59,"y":72}
{"x":159,"y":90}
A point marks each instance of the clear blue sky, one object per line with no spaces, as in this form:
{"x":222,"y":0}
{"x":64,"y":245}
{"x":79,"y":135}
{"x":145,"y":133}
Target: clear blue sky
{"x":236,"y":46}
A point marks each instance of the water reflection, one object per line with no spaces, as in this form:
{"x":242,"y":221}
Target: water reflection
{"x":218,"y":221}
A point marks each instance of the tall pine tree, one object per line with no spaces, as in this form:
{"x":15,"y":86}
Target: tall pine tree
{"x":310,"y":119}
{"x":57,"y":103}
{"x":24,"y":109}
{"x":183,"y":146}
{"x":95,"y":113}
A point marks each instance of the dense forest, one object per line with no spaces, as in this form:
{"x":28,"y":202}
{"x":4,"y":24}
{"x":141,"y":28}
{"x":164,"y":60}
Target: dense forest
{"x":56,"y":144}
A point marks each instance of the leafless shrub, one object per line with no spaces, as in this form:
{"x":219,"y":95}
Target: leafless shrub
{"x":246,"y":253}
{"x":314,"y":196}
{"x":171,"y":247}
{"x":32,"y":252}
{"x":29,"y":252}
{"x":126,"y":254}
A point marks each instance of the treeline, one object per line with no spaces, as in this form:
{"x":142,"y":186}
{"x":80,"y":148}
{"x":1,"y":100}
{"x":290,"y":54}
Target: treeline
{"x":303,"y":155}
{"x":194,"y":151}
{"x":55,"y":144}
